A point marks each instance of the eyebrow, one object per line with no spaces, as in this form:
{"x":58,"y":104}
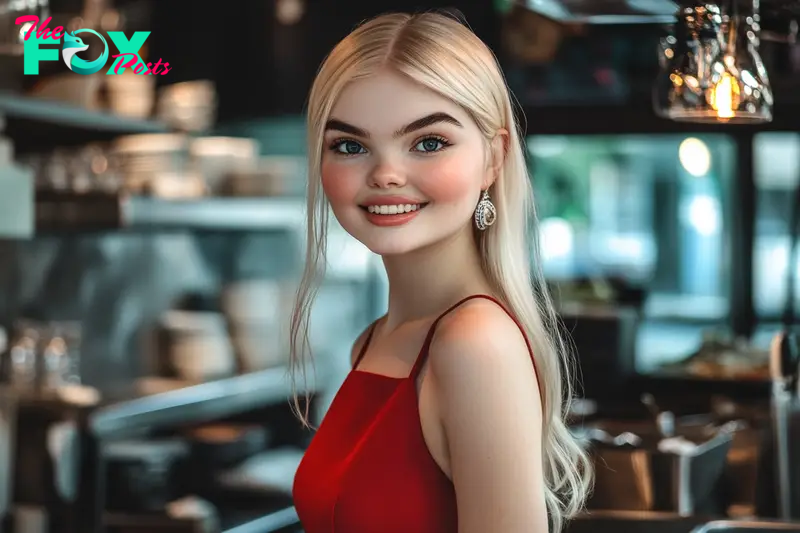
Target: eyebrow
{"x":424,"y":122}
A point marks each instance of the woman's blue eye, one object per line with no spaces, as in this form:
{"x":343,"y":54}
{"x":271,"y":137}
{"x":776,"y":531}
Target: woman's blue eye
{"x":349,"y":148}
{"x":429,"y":145}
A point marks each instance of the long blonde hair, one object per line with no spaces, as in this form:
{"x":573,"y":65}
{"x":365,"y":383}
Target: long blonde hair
{"x":441,"y":53}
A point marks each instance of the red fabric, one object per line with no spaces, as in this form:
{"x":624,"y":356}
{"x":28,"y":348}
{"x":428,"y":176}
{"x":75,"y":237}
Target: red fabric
{"x":368,"y":469}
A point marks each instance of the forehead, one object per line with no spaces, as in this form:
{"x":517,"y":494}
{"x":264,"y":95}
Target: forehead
{"x":385,"y":102}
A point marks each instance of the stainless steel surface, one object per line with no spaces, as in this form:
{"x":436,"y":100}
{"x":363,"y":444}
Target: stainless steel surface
{"x":272,"y":522}
{"x":780,"y":415}
{"x":598,"y":435}
{"x":782,"y":376}
{"x":197,"y":403}
{"x":664,"y":420}
{"x":744,"y":526}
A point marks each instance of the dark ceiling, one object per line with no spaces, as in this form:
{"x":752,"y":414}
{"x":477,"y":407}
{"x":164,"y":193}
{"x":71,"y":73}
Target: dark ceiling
{"x":776,"y":14}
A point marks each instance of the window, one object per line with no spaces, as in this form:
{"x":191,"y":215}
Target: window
{"x":777,"y":173}
{"x":649,"y":210}
{"x":776,"y":160}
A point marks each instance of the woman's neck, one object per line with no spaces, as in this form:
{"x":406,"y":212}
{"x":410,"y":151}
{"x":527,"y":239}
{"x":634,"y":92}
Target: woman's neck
{"x":425,"y":282}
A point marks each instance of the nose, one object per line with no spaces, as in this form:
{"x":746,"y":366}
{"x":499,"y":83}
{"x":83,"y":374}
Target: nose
{"x":386,"y":175}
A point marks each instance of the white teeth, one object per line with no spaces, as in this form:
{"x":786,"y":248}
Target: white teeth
{"x":393,"y":209}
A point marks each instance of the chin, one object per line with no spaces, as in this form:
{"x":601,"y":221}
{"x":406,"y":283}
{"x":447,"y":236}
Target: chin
{"x":393,"y":241}
{"x":387,"y":242}
{"x":386,"y":249}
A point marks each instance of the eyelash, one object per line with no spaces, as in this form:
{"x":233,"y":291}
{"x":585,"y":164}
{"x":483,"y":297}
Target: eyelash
{"x":445,"y":144}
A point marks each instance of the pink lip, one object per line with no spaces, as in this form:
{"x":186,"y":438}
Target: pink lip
{"x":391,"y":220}
{"x":391,"y":200}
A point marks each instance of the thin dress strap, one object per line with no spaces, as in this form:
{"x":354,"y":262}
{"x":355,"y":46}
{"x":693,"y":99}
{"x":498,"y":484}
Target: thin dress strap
{"x":366,"y":343}
{"x":423,"y":353}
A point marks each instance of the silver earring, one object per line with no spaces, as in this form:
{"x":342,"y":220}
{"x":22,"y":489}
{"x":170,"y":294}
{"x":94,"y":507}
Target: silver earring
{"x":485,"y":212}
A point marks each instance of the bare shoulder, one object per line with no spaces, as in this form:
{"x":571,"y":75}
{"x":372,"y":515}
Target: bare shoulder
{"x":480,"y":341}
{"x":489,"y":403}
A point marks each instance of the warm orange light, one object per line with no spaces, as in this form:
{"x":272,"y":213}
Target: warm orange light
{"x":724,"y":96}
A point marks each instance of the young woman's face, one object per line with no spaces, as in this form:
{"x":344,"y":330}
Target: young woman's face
{"x":402,"y":167}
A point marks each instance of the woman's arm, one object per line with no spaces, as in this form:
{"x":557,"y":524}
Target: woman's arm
{"x":491,"y":409}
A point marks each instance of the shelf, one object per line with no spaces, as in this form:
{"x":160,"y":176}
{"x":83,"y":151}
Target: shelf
{"x":216,"y":213}
{"x":193,"y":404}
{"x":36,"y":124}
{"x":68,"y":212}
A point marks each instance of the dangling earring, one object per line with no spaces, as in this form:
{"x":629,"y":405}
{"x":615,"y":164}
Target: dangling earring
{"x":485,"y":212}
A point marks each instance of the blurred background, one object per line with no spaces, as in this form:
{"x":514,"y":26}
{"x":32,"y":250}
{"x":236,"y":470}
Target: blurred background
{"x":152,"y":233}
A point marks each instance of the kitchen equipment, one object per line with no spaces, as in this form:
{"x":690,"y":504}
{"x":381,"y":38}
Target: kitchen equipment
{"x":271,"y":176}
{"x":216,"y":157}
{"x":44,"y":356}
{"x":143,"y":475}
{"x":664,"y":420}
{"x":188,"y":106}
{"x":79,"y":91}
{"x":637,"y":468}
{"x":141,"y":160}
{"x":61,"y":355}
{"x":131,"y":95}
{"x":198,"y":345}
{"x":783,"y":367}
{"x":720,"y":357}
{"x":266,"y":473}
{"x":223,"y":445}
{"x":21,"y":359}
{"x":50,"y":488}
{"x":254,"y":310}
{"x":604,"y":338}
{"x":785,"y":374}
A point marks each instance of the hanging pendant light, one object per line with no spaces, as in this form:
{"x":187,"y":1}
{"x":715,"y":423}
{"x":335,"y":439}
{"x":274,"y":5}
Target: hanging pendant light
{"x":711,"y":69}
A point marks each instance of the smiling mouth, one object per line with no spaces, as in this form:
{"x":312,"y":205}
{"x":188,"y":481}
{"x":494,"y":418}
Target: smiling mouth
{"x":393,"y":209}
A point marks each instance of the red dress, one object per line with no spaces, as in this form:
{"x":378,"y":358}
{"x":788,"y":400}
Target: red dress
{"x":368,"y":469}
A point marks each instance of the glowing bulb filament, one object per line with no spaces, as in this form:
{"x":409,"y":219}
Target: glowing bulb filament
{"x":724,"y":96}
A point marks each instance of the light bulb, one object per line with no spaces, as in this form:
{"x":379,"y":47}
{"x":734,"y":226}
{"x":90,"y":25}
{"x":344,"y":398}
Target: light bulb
{"x":723,"y":96}
{"x":713,"y":71}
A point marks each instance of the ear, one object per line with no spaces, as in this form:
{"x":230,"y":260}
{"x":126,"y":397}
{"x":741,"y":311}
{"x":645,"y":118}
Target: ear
{"x":498,"y":150}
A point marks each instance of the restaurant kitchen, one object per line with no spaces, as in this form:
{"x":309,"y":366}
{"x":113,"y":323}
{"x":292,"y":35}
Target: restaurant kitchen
{"x":152,"y":229}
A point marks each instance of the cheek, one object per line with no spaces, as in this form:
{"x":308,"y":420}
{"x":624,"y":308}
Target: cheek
{"x":340,"y":183}
{"x":452,"y":179}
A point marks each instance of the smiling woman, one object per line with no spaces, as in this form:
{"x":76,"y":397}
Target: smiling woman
{"x":452,"y":420}
{"x":421,"y":145}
